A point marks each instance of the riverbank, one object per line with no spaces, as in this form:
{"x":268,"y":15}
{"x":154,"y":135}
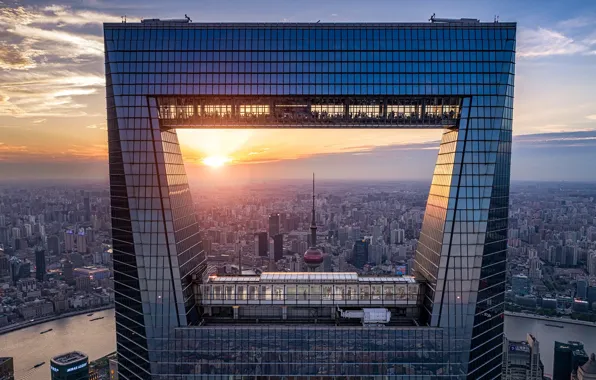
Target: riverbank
{"x":551,"y":319}
{"x":22,"y":325}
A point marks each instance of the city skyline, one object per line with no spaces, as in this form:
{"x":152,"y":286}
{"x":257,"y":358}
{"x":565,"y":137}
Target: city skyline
{"x":53,"y":126}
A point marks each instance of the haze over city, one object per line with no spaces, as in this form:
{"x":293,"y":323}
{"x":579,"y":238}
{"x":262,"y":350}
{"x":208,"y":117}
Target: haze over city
{"x":52,"y":117}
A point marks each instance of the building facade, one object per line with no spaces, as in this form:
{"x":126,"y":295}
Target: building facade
{"x":567,"y":358}
{"x":521,"y":359}
{"x":70,"y":366}
{"x":456,"y":75}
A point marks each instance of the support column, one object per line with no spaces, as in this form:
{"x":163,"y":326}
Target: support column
{"x":236,"y":311}
{"x":284,"y":312}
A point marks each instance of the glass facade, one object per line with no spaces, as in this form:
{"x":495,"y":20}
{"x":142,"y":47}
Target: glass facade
{"x":457,"y":76}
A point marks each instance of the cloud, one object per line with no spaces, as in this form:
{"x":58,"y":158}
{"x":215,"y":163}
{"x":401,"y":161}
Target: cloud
{"x":562,"y":139}
{"x":591,"y":117}
{"x":101,"y":126}
{"x":543,"y":42}
{"x":576,"y":22}
{"x":12,"y":56}
{"x":48,"y":93}
{"x":8,"y":151}
{"x":50,"y":60}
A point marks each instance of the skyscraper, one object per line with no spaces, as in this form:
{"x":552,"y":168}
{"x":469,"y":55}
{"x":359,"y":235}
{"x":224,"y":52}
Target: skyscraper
{"x":456,"y":75}
{"x":69,"y":241}
{"x":360,"y":253}
{"x":568,"y":356}
{"x":278,"y":247}
{"x":274,"y":225}
{"x":70,"y":366}
{"x":87,"y":206}
{"x":40,"y":264}
{"x":81,"y":242}
{"x":521,"y":359}
{"x":261,"y":245}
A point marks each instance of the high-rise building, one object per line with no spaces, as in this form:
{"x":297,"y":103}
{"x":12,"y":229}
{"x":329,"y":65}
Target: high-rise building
{"x":28,"y":230}
{"x":274,"y":225}
{"x":454,"y":75}
{"x":81,"y":242}
{"x":6,"y":368}
{"x":521,"y":359}
{"x":87,"y":206}
{"x":397,"y":236}
{"x":53,"y":245}
{"x":278,"y":247}
{"x":69,"y":241}
{"x":40,"y":264}
{"x":592,"y":263}
{"x":581,"y":288}
{"x":68,"y":271}
{"x":70,"y":366}
{"x":360,"y":253}
{"x":262,"y":248}
{"x":568,"y":356}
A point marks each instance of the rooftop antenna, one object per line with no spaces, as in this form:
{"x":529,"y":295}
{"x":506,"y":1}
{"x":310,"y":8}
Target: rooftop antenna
{"x":123,"y":19}
{"x":188,"y":18}
{"x":318,"y":22}
{"x":432,"y":18}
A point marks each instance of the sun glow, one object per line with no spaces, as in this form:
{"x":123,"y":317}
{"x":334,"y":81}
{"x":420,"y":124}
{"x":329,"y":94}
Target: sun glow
{"x":216,"y":161}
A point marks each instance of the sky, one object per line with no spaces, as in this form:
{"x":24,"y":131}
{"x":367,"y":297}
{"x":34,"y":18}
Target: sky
{"x":52,"y":96}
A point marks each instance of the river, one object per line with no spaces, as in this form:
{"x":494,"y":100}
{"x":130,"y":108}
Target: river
{"x":97,"y":339}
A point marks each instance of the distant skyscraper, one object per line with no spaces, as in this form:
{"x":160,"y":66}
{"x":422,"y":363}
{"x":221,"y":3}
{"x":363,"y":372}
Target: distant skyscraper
{"x":70,"y":366}
{"x":87,"y":206}
{"x":81,"y":242}
{"x":521,"y":360}
{"x":40,"y":264}
{"x":568,"y":356}
{"x":274,"y":225}
{"x":261,"y":244}
{"x":397,"y":236}
{"x":592,"y":263}
{"x":28,"y":230}
{"x":360,"y":253}
{"x":68,"y":271}
{"x":456,"y":75}
{"x":581,"y":288}
{"x":278,"y":247}
{"x":69,"y":241}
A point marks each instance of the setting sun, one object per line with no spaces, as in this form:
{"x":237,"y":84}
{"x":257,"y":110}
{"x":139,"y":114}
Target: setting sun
{"x":216,"y":161}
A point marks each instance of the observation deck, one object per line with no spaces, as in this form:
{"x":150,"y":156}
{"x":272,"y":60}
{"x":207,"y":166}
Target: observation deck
{"x":311,"y":289}
{"x":317,"y":112}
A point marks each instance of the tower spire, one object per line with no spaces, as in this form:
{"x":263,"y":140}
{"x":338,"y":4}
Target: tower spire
{"x":313,"y":223}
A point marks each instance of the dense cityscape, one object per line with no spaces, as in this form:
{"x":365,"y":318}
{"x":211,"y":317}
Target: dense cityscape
{"x":56,"y":252}
{"x":56,"y":257}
